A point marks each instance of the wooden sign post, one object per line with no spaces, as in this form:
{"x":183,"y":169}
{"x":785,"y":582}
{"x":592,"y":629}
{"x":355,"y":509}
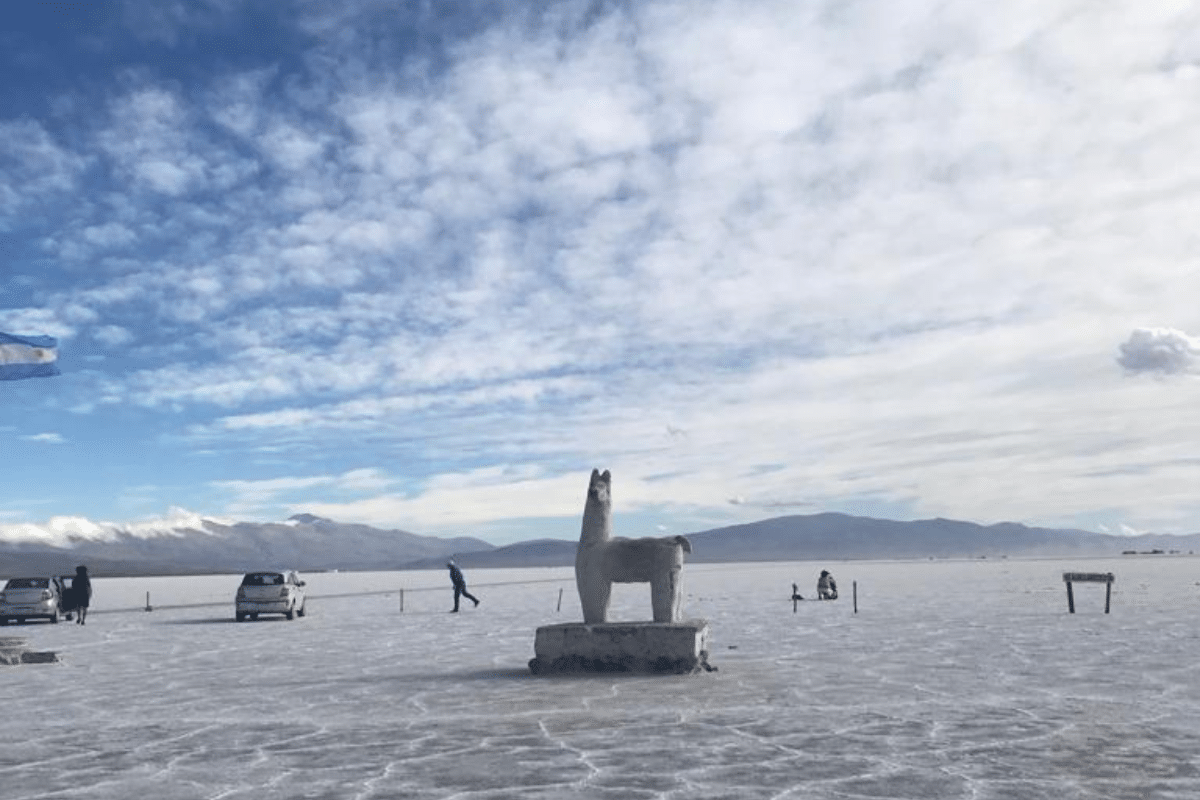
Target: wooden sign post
{"x":1106,"y":578}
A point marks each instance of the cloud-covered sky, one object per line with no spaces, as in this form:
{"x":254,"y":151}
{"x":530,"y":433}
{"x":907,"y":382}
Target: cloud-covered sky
{"x":424,"y":265}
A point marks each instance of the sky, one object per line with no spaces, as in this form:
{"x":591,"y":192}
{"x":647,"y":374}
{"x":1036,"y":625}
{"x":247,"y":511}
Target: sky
{"x":423,"y":265}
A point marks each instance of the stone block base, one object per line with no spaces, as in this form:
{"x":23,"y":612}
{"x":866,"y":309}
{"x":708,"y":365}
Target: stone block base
{"x":645,"y":647}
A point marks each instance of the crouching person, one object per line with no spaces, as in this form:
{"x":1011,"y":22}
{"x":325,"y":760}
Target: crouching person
{"x":826,"y":586}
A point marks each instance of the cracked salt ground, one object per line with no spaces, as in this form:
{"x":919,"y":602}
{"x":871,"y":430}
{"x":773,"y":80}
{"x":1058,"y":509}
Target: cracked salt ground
{"x":955,"y":680}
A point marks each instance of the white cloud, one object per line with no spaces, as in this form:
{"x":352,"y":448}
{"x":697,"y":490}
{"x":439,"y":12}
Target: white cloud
{"x":165,"y":21}
{"x":112,"y":234}
{"x":380,"y":413}
{"x":56,"y":532}
{"x":254,"y":497}
{"x":157,"y":145}
{"x":32,"y":166}
{"x":1160,"y":350}
{"x":34,"y":321}
{"x":45,"y":438}
{"x":112,"y":335}
{"x":65,"y":531}
{"x":290,"y":147}
{"x":455,"y":500}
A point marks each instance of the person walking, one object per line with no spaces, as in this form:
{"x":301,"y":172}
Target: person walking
{"x":460,"y":586}
{"x":81,"y":594}
{"x":826,"y":586}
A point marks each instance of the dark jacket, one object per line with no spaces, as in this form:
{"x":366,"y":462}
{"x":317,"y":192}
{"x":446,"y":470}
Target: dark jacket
{"x":80,"y":593}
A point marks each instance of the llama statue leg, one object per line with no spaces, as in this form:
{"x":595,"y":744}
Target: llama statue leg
{"x":666,"y":587}
{"x":677,"y":592}
{"x":594,"y":593}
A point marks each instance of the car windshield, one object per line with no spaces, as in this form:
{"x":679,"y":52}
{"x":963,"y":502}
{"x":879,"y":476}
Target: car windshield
{"x":28,"y":583}
{"x":262,"y":579}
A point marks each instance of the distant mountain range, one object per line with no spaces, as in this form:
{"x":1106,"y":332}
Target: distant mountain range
{"x":309,"y":543}
{"x":305,"y":542}
{"x":839,"y":537}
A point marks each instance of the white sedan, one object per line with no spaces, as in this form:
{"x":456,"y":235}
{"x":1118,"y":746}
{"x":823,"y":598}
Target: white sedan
{"x":279,"y":592}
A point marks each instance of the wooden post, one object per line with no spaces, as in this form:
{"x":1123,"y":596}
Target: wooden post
{"x":854,"y":589}
{"x":1107,"y":595}
{"x":148,"y":606}
{"x":559,"y":606}
{"x":1070,"y":598}
{"x":795,"y":597}
{"x":401,"y":599}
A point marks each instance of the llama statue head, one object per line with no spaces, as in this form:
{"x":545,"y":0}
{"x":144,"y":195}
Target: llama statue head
{"x":597,"y":511}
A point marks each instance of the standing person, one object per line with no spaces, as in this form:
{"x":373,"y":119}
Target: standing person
{"x":826,"y":586}
{"x":460,"y":586}
{"x":81,"y":591}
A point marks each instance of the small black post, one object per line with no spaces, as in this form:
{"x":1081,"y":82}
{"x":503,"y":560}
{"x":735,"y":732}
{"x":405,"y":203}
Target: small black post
{"x":1107,"y":595}
{"x":148,"y":606}
{"x":401,"y":599}
{"x":1070,"y":598}
{"x":559,"y":606}
{"x":795,"y":597}
{"x":854,"y":587}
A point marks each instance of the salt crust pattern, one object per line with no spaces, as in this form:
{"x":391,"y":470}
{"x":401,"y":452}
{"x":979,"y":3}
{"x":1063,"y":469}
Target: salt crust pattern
{"x":955,"y":680}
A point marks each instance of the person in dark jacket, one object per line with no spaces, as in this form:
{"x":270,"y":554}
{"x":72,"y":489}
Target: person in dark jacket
{"x":460,"y":586}
{"x":826,"y":586}
{"x":81,"y":594}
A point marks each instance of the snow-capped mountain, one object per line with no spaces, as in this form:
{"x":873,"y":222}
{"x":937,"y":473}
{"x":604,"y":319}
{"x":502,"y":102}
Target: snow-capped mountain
{"x":186,"y":543}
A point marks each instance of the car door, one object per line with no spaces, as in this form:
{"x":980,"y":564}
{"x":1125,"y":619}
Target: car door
{"x":297,"y":590}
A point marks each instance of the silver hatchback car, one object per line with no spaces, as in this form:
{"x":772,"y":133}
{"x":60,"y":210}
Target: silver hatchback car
{"x":30,"y":598}
{"x":280,"y":592}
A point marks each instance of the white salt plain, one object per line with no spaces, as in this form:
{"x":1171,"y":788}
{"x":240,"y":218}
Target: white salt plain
{"x":955,"y":680}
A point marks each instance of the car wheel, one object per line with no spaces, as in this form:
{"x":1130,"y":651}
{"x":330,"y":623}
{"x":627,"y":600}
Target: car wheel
{"x":290,"y":613}
{"x":300,"y":611}
{"x":20,"y":620}
{"x":54,"y":618}
{"x":254,"y":616}
{"x":240,"y":617}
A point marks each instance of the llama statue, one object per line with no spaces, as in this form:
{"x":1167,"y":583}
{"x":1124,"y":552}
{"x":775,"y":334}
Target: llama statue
{"x":602,"y":559}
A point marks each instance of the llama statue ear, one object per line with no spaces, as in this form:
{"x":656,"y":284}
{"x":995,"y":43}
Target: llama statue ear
{"x":606,"y":477}
{"x":595,"y":474}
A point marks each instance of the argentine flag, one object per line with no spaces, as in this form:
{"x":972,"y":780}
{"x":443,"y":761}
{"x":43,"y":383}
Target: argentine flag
{"x":27,"y":357}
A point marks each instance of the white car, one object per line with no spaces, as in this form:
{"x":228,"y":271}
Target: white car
{"x":29,"y":598}
{"x":280,"y":592}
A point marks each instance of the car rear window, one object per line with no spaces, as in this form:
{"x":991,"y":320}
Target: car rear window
{"x":262,"y":579}
{"x":28,"y":583}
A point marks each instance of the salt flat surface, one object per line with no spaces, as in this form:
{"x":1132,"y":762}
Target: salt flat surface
{"x":954,"y":680}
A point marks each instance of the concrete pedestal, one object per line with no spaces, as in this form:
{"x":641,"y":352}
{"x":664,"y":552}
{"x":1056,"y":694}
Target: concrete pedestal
{"x":648,"y":647}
